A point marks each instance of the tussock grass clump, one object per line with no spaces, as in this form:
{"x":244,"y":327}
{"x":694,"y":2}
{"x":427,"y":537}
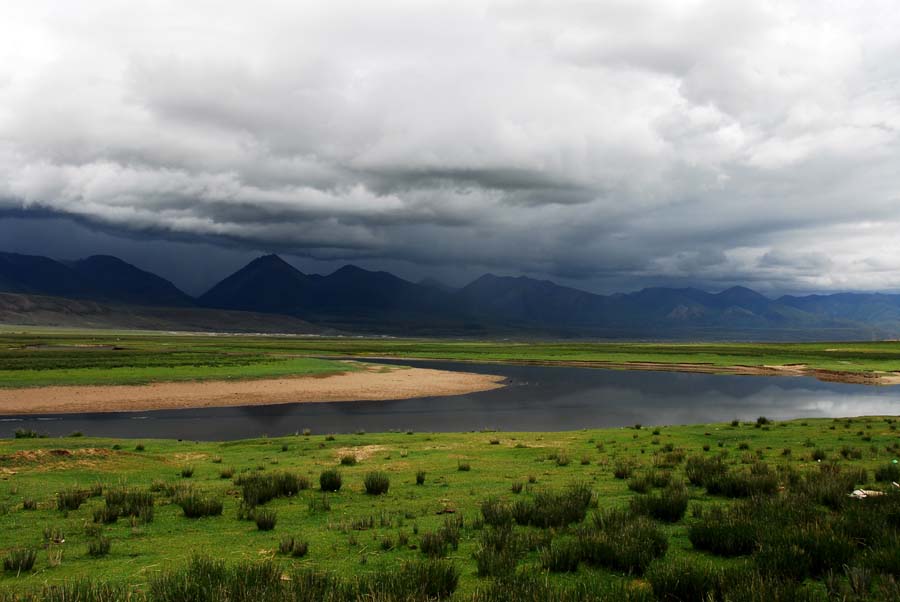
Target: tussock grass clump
{"x":420,"y":477}
{"x":888,"y":473}
{"x":20,"y":560}
{"x":727,"y":533}
{"x":496,"y":513}
{"x":562,"y":556}
{"x":291,"y":546}
{"x":265,"y":519}
{"x":106,"y":515}
{"x":668,"y":505}
{"x":258,"y":489}
{"x":98,"y":546}
{"x":436,"y":543}
{"x":517,"y":487}
{"x":377,"y":483}
{"x":533,"y":586}
{"x":197,"y":505}
{"x":126,"y":502}
{"x":759,"y":481}
{"x":683,"y":579}
{"x":463,"y":467}
{"x":348,"y":460}
{"x":621,"y":541}
{"x":330,"y":480}
{"x":554,"y":508}
{"x":226,"y":473}
{"x":29,"y":504}
{"x":187,"y":472}
{"x":622,"y":469}
{"x":498,"y":551}
{"x":71,"y":499}
{"x":26,"y":434}
{"x":700,"y":470}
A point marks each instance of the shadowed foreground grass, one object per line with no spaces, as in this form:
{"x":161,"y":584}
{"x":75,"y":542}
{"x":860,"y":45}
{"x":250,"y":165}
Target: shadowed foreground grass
{"x":741,"y":511}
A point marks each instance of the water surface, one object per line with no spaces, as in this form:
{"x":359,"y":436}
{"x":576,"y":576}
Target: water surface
{"x":538,"y":398}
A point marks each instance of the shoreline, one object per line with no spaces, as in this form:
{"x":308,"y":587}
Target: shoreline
{"x":856,"y":378}
{"x":373,"y":383}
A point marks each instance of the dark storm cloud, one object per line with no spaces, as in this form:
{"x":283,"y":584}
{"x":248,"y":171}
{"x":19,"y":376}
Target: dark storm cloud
{"x":611,"y":144}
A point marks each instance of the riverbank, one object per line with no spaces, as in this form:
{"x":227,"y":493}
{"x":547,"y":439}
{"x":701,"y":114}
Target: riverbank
{"x":364,"y":383}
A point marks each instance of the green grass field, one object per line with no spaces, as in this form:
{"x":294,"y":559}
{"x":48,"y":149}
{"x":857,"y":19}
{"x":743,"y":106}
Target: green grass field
{"x":105,"y":357}
{"x":362,"y":533}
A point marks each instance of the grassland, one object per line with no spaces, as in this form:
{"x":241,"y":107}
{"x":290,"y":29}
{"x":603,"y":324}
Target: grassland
{"x":106,"y":357}
{"x":681,"y":479}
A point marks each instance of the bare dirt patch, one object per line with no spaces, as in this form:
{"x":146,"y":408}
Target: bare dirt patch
{"x":363,"y":452}
{"x":370,"y":384}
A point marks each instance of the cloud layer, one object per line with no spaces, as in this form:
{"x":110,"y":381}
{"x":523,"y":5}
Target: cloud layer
{"x":698,"y":141}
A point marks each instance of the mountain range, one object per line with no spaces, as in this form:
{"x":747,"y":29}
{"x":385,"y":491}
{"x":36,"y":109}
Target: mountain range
{"x":352,"y":299}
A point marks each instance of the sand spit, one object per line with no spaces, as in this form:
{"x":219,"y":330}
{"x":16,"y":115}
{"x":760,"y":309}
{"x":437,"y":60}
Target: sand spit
{"x":370,"y":384}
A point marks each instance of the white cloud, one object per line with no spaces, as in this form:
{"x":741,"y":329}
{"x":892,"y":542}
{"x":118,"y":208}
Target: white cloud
{"x":626,"y":139}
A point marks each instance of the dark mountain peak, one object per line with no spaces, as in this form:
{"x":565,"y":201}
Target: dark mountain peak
{"x":742,"y":292}
{"x":271,"y":261}
{"x":267,"y":284}
{"x":350,"y":270}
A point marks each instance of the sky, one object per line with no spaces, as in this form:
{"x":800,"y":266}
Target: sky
{"x":608,"y":145}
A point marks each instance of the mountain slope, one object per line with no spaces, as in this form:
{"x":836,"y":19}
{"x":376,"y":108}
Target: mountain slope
{"x":100,"y":277}
{"x":110,"y":278}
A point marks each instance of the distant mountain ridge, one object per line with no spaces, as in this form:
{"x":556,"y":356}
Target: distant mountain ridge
{"x":99,"y":278}
{"x":358,"y":300}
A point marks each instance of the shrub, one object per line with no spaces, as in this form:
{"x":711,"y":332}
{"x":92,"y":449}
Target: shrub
{"x":348,"y":460}
{"x":265,"y":519}
{"x":619,"y":541}
{"x":420,"y":477}
{"x":195,"y":505}
{"x":668,"y":505}
{"x":330,"y":480}
{"x":98,"y":546}
{"x":19,"y":561}
{"x":26,"y":434}
{"x":377,"y":483}
{"x":561,"y":556}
